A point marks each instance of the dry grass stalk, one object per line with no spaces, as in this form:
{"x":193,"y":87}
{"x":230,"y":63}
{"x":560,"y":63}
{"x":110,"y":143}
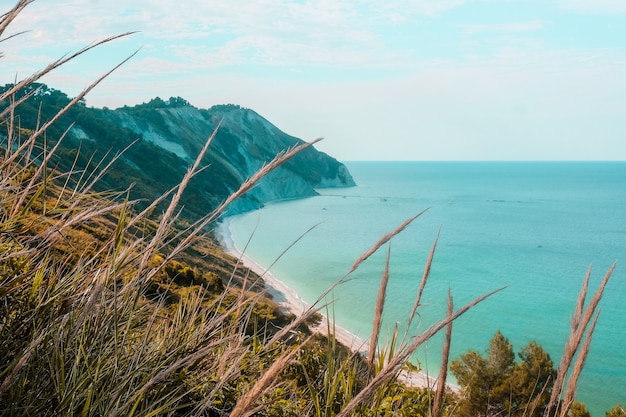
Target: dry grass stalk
{"x":179,"y":364}
{"x":316,"y":305}
{"x":72,"y":102}
{"x":580,"y":301}
{"x":579,"y":324}
{"x":536,"y":401}
{"x":11,"y":110}
{"x":233,"y":356}
{"x":570,"y":391}
{"x":21,"y":362}
{"x":197,"y":228}
{"x":8,"y":17}
{"x":288,"y":248}
{"x":40,"y":172}
{"x":247,"y":185}
{"x":394,"y":366}
{"x":425,"y":276}
{"x":168,"y":218}
{"x":243,"y":408}
{"x":58,"y":63}
{"x":97,"y":342}
{"x":378,"y":313}
{"x":386,"y":238}
{"x":98,"y":172}
{"x":443,"y":370}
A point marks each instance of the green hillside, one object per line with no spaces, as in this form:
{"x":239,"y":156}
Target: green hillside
{"x":156,"y":142}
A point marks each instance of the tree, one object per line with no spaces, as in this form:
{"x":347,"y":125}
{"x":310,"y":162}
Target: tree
{"x":617,"y":411}
{"x":178,"y":102}
{"x":531,"y":381}
{"x":578,"y":410}
{"x":497,"y":385}
{"x":484,"y":379}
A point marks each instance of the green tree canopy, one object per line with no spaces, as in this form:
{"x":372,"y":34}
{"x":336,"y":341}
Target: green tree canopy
{"x":617,"y":411}
{"x":498,"y":385}
{"x":578,"y":410}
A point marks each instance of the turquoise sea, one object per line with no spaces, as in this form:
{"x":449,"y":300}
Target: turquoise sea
{"x":535,"y":227}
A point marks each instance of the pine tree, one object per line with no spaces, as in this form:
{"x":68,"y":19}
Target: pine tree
{"x":617,"y":411}
{"x":497,"y":385}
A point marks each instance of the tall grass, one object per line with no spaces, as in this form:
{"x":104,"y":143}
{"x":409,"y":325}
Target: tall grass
{"x":84,"y":332}
{"x":582,"y":326}
{"x":78,"y":333}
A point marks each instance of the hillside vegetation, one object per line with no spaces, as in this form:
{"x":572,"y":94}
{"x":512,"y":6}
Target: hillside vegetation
{"x":114,"y":302}
{"x":159,"y":139}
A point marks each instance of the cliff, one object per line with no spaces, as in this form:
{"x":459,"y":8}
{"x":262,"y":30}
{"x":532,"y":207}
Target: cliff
{"x":166,"y":135}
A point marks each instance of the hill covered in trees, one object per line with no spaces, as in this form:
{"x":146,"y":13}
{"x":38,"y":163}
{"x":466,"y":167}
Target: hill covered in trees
{"x":159,"y":139}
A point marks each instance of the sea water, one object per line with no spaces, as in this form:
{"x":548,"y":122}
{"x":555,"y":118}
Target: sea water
{"x":532,"y":227}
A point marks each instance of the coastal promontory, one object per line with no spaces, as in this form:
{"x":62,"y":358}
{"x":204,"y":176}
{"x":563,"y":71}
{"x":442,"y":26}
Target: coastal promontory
{"x":155,"y":143}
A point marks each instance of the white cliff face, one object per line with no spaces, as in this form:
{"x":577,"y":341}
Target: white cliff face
{"x":80,"y":134}
{"x":244,"y":143}
{"x":341,"y":179}
{"x":282,"y":184}
{"x":278,"y":185}
{"x":150,"y":133}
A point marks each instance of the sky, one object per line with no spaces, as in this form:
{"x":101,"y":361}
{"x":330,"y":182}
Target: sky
{"x":378,"y":80}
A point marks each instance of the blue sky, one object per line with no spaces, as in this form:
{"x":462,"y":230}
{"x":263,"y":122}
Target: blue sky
{"x":379,"y":80}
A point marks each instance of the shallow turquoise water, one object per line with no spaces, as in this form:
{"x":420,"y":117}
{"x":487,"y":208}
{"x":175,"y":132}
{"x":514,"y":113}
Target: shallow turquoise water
{"x":533,"y":227}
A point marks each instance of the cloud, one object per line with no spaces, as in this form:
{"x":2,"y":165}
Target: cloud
{"x":516,"y":27}
{"x":398,"y":11}
{"x":597,"y":7}
{"x":264,"y":32}
{"x":354,"y":72}
{"x":516,"y":105}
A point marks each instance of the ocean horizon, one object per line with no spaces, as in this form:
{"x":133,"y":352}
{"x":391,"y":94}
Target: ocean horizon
{"x":532,"y":227}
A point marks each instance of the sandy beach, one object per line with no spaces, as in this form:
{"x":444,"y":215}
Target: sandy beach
{"x":290,"y":301}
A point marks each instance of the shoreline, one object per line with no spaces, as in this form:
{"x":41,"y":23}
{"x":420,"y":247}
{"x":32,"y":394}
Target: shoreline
{"x":286,"y":298}
{"x":289,"y":301}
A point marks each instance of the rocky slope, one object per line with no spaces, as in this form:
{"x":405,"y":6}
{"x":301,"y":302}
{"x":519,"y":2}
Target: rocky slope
{"x":166,"y":136}
{"x":244,"y":143}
